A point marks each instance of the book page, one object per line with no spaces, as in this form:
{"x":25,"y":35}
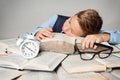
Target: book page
{"x":7,"y":42}
{"x":110,"y":76}
{"x":110,"y":62}
{"x":45,"y":61}
{"x":39,"y":75}
{"x":116,"y":72}
{"x":118,"y":46}
{"x":115,"y":48}
{"x":9,"y":74}
{"x":60,"y":43}
{"x":9,"y":45}
{"x":74,"y":64}
{"x":63,"y":75}
{"x":12,"y":61}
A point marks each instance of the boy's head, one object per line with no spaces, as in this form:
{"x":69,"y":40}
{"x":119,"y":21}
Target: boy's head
{"x":83,"y":23}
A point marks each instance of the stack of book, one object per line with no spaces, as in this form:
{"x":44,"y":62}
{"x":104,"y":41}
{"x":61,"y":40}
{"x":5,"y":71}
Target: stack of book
{"x":55,"y":61}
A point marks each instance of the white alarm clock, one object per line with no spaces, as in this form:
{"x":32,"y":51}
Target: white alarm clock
{"x":29,"y":46}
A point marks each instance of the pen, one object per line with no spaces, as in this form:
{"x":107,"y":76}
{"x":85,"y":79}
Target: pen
{"x":4,"y":53}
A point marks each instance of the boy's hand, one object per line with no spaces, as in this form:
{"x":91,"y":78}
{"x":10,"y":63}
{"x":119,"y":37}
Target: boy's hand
{"x":43,"y":33}
{"x":89,"y":40}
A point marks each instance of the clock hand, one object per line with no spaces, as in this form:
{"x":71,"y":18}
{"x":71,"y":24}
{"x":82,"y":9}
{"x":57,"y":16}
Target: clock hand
{"x":29,"y":49}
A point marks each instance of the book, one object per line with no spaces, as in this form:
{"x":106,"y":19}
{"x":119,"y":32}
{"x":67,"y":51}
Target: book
{"x":110,"y":76}
{"x":63,"y":75}
{"x":74,"y":64}
{"x":118,"y":46}
{"x":9,"y":45}
{"x":116,"y":72}
{"x":115,"y":49}
{"x":60,"y":43}
{"x":38,"y":75}
{"x":10,"y":74}
{"x":110,"y":62}
{"x":47,"y":61}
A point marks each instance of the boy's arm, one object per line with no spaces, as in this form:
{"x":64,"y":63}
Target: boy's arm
{"x":114,"y":36}
{"x":89,"y":40}
{"x":105,"y":36}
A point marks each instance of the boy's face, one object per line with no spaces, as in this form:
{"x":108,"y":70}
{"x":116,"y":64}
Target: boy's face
{"x":72,"y":28}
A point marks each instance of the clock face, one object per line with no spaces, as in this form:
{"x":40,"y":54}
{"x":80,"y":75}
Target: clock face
{"x":30,"y":48}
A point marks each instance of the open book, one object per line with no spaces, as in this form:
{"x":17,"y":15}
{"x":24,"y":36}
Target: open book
{"x":116,"y":73}
{"x":61,"y":74}
{"x":110,"y":76}
{"x":38,"y":75}
{"x":10,"y":74}
{"x":116,"y":48}
{"x":47,"y":61}
{"x":74,"y":64}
